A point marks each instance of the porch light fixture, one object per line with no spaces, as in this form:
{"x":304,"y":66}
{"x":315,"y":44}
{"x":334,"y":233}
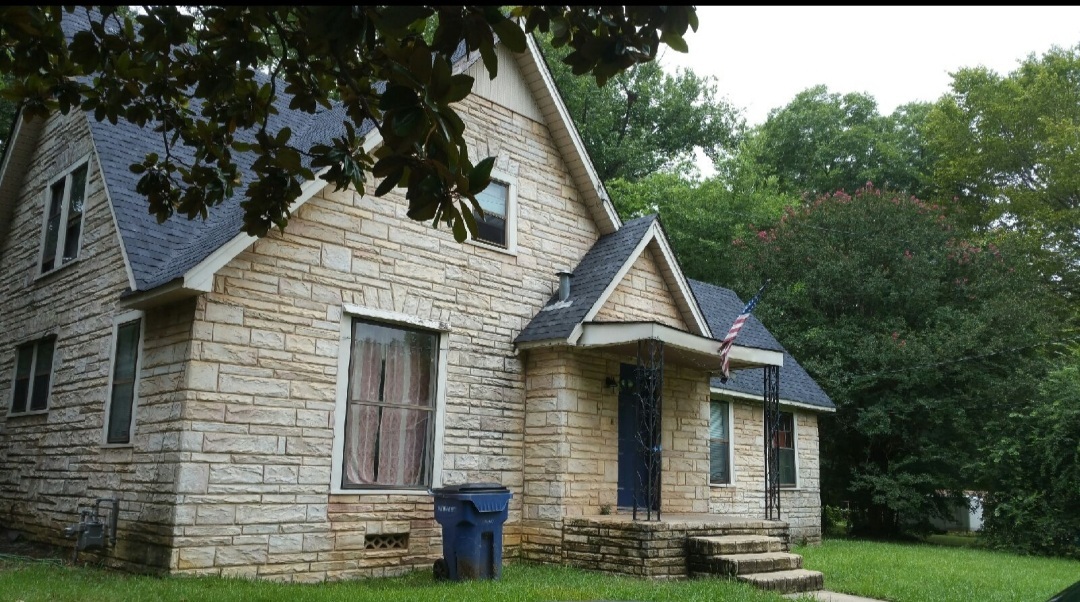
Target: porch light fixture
{"x":611,"y":383}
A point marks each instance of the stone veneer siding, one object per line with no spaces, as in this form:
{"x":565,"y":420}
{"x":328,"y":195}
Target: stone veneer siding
{"x":800,"y":507}
{"x":53,"y":462}
{"x":256,"y":455}
{"x":643,"y":295}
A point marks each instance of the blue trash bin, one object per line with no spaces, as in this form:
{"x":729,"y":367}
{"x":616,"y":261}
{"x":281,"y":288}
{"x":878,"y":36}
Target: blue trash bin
{"x":472,"y":517}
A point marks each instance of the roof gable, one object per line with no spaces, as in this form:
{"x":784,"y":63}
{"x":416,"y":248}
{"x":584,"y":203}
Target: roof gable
{"x":599,"y":274}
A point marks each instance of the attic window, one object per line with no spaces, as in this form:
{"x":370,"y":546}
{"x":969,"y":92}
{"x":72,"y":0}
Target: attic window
{"x":63,"y":219}
{"x":497,"y":227}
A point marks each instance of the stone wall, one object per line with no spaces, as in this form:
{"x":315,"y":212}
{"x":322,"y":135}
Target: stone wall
{"x":643,"y":295}
{"x":800,"y":506}
{"x":571,"y":442}
{"x":52,"y":462}
{"x":257,"y":454}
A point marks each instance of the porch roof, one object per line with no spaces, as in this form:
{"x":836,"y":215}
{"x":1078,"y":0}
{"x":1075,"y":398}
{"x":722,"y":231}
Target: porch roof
{"x":680,"y":347}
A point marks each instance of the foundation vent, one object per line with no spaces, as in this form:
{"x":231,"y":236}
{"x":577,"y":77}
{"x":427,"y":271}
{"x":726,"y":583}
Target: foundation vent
{"x":386,"y":541}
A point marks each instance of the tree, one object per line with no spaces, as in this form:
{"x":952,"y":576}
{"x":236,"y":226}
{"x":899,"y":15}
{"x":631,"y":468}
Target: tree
{"x":919,"y":334}
{"x":1034,"y":471}
{"x":701,"y":218}
{"x":199,"y":77}
{"x":645,"y":120}
{"x":7,"y":112}
{"x":1008,"y":147}
{"x":822,"y":142}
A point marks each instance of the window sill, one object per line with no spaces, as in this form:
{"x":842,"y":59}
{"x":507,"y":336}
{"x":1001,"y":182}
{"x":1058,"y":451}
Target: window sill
{"x":31,"y":413}
{"x":493,"y":247}
{"x":721,"y":485}
{"x":42,"y":277}
{"x":117,"y":446}
{"x":338,"y":491}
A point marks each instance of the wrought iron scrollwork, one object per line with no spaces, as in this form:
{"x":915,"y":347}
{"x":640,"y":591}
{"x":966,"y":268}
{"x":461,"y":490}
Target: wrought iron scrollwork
{"x":650,"y":383}
{"x":772,"y":449}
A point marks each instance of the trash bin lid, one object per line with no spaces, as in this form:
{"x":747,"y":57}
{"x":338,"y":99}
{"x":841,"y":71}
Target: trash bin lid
{"x":473,"y":488}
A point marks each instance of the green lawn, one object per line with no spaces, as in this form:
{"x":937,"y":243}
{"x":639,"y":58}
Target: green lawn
{"x":34,"y":581}
{"x":930,"y":573}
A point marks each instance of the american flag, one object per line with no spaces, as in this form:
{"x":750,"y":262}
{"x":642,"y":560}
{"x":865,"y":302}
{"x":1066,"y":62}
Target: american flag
{"x":729,"y":340}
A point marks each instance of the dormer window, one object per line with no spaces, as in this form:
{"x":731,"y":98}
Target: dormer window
{"x":63,"y":219}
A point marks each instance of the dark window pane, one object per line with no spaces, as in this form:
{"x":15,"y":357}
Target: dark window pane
{"x":75,"y":210}
{"x":120,"y":413}
{"x":52,"y":226}
{"x":787,"y":467}
{"x":24,"y":357}
{"x":124,"y":375}
{"x":39,"y":395}
{"x":719,"y":471}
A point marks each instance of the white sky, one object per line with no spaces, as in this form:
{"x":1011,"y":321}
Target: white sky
{"x":763,"y":56}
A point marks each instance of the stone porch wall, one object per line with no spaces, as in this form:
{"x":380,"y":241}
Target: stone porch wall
{"x":260,"y":420}
{"x":643,"y":295}
{"x":53,"y":462}
{"x":571,"y":443}
{"x":800,"y":507}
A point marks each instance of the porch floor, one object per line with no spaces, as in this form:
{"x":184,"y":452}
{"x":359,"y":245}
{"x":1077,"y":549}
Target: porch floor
{"x":616,"y":543}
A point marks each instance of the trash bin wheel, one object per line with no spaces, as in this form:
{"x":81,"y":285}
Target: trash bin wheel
{"x":441,"y":570}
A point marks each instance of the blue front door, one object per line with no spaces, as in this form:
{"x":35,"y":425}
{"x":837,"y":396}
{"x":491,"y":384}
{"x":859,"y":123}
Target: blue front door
{"x":631,"y":452}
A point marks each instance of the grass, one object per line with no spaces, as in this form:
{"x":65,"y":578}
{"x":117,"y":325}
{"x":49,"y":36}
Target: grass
{"x":32,"y":581}
{"x":930,"y":573}
{"x":960,"y":540}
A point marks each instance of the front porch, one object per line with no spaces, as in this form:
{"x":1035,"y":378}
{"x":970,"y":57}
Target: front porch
{"x":658,"y":549}
{"x":680,"y":546}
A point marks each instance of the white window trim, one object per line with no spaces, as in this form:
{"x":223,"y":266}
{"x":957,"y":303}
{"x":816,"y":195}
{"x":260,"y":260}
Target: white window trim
{"x":511,"y":216}
{"x":118,"y":320}
{"x":33,"y":366}
{"x":731,"y":443}
{"x":61,"y":234}
{"x":349,"y":312}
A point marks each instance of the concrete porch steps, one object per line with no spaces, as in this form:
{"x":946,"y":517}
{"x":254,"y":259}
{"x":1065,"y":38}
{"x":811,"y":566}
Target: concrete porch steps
{"x":755,"y":559}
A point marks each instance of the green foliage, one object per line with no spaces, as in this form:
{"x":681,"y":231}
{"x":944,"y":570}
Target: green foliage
{"x":1009,"y":156}
{"x":701,"y":218}
{"x":7,"y":112}
{"x":880,"y":297}
{"x":197,"y":76}
{"x":821,"y":142}
{"x":644,"y":120}
{"x":1035,"y":471}
{"x":927,"y":573}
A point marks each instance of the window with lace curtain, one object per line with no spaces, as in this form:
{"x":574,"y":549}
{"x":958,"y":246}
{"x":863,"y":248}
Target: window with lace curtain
{"x":390,"y":407}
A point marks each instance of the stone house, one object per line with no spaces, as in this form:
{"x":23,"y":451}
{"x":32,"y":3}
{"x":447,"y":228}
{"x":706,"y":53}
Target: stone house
{"x":282,"y":407}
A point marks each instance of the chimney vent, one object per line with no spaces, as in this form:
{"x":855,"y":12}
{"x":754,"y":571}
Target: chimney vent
{"x":564,"y":284}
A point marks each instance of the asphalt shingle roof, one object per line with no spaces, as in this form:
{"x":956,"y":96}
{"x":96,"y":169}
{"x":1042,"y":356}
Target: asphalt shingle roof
{"x":591,"y":276}
{"x":721,"y":306}
{"x":161,"y":252}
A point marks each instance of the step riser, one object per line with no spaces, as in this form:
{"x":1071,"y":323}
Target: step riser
{"x":702,"y":547}
{"x":790,"y":585}
{"x":730,"y":567}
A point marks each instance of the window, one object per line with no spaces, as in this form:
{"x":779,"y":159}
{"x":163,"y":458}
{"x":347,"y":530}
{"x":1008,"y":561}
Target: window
{"x":495,"y":201}
{"x":63,"y":220}
{"x":123,"y":388}
{"x":785,"y":442}
{"x":719,"y":443}
{"x":33,"y":371}
{"x":390,"y":407}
